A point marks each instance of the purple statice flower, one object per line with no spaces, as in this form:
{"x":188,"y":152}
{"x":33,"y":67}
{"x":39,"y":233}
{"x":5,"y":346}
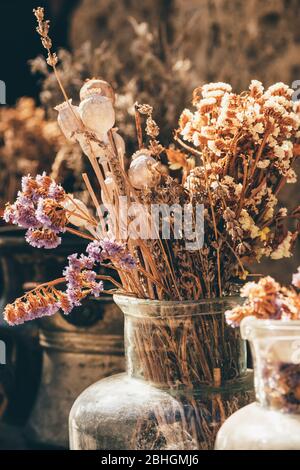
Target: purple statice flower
{"x":42,"y":186}
{"x":89,"y":276}
{"x":42,"y":311}
{"x":97,"y":288}
{"x":43,"y":181}
{"x":74,"y":279}
{"x":94,"y":251}
{"x":112,"y":249}
{"x":39,"y":212}
{"x":77,"y":263}
{"x":74,"y":296}
{"x":30,"y":309}
{"x":57,"y":221}
{"x":31,"y":187}
{"x":10,"y":214}
{"x":117,"y":252}
{"x":79,"y":277}
{"x":26,"y":216}
{"x":74,"y":261}
{"x":42,"y":238}
{"x":43,"y":218}
{"x":87,"y":261}
{"x":56,"y":192}
{"x":27,"y":185}
{"x":66,"y":306}
{"x":296,"y":279}
{"x":22,"y":213}
{"x":127,"y":262}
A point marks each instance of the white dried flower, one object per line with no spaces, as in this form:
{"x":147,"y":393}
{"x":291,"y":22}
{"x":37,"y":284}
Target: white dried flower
{"x":256,"y":88}
{"x":212,"y":146}
{"x":279,"y":89}
{"x":283,"y":212}
{"x":247,"y":224}
{"x":262,"y":164}
{"x":208,"y":132}
{"x":216,"y":86}
{"x":206,"y":105}
{"x":259,"y":128}
{"x":284,"y":248}
{"x":273,"y":105}
{"x":291,"y":176}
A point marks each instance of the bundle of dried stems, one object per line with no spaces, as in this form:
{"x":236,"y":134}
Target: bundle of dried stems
{"x":236,"y":154}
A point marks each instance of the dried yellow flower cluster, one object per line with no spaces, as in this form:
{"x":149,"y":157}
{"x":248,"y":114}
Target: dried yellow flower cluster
{"x":246,"y":144}
{"x":29,"y":144}
{"x":266,"y":300}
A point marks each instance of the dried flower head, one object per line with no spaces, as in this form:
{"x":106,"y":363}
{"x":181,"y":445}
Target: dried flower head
{"x":43,"y":30}
{"x":266,"y":299}
{"x":38,"y":208}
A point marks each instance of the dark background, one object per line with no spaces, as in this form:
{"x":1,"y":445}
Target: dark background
{"x":19,"y":41}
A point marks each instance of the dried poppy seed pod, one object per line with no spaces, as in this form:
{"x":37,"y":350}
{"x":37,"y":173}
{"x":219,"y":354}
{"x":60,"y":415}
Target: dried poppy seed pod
{"x":141,"y":173}
{"x":81,"y":212}
{"x":69,"y":119}
{"x":99,"y":86}
{"x":97,"y":114}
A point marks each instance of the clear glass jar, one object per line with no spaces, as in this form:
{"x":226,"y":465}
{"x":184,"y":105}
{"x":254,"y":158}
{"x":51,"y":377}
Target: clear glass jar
{"x":273,"y":422}
{"x":186,"y":373}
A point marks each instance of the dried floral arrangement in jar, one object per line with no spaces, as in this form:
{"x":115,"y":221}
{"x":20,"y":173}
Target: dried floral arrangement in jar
{"x":279,"y":361}
{"x":184,"y":238}
{"x":236,"y":153}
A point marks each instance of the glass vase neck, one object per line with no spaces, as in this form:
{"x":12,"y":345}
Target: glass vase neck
{"x":182,"y":344}
{"x":275,"y":346}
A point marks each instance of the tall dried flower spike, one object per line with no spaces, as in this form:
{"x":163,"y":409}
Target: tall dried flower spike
{"x":43,"y":31}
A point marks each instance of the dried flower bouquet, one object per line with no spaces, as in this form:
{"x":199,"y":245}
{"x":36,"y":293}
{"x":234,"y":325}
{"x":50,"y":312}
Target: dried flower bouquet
{"x":233,"y":155}
{"x":236,"y":154}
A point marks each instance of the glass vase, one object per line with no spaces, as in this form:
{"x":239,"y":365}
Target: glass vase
{"x":273,"y":421}
{"x":186,"y":373}
{"x":77,"y":350}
